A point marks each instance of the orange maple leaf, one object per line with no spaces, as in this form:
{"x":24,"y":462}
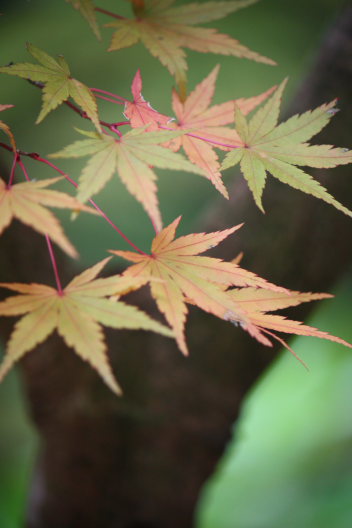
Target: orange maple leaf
{"x":185,"y":277}
{"x":25,"y":202}
{"x":140,"y":112}
{"x":257,"y":302}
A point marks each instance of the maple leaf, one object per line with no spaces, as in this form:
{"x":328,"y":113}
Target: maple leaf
{"x":278,"y":149}
{"x":165,"y":30}
{"x":77,"y":314}
{"x":87,"y":10}
{"x":256,"y":302}
{"x":59,"y":85}
{"x":25,"y":202}
{"x":130,"y":156}
{"x":195,"y":115}
{"x":5,"y":128}
{"x":183,"y":276}
{"x":140,"y":112}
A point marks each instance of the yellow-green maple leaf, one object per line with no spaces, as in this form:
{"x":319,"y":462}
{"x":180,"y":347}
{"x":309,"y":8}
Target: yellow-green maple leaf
{"x":165,"y":30}
{"x":77,"y":314}
{"x":26,"y":202}
{"x":86,"y":8}
{"x":279,"y":149}
{"x":131,"y":157}
{"x":59,"y":84}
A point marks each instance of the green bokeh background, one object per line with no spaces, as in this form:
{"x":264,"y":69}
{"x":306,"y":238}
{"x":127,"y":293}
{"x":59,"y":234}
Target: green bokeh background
{"x":290,"y":461}
{"x":288,"y":32}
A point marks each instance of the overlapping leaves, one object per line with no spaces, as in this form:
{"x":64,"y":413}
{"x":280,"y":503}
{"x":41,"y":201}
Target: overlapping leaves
{"x":77,"y":314}
{"x":140,"y":112}
{"x":131,"y":157}
{"x":59,"y":84}
{"x":267,"y":147}
{"x":184,"y":277}
{"x":206,"y":126}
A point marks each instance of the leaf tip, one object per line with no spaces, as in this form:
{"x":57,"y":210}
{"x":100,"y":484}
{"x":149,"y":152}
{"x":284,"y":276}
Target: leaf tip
{"x":332,"y":111}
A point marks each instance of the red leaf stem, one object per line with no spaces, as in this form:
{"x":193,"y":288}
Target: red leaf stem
{"x":54,"y":264}
{"x":13,"y":168}
{"x":109,"y":94}
{"x":213,"y":142}
{"x":109,"y":13}
{"x":23,"y":168}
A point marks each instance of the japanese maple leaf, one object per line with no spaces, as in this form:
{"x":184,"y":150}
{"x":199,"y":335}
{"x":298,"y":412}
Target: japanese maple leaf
{"x":257,"y":302}
{"x":165,"y":30}
{"x":59,"y":84}
{"x":130,"y":156}
{"x":86,"y":8}
{"x":77,"y":314}
{"x":140,"y":112}
{"x":206,"y":128}
{"x":5,"y":128}
{"x":279,"y":149}
{"x":26,"y":202}
{"x":183,"y":276}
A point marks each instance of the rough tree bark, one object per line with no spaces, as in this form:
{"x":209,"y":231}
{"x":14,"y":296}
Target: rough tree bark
{"x":139,"y":461}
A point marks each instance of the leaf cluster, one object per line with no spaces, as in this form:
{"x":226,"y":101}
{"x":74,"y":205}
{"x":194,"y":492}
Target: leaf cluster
{"x":247,"y":130}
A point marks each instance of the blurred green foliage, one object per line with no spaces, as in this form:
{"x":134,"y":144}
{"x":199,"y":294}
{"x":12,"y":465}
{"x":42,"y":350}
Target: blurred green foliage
{"x":289,"y":463}
{"x":288,"y":32}
{"x":18,"y":443}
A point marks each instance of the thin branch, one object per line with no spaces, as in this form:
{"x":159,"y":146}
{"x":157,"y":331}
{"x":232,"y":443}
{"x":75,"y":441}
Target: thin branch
{"x":84,"y":115}
{"x":121,"y":123}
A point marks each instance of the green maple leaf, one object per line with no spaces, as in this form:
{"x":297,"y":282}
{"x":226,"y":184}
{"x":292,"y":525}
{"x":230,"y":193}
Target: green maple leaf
{"x":86,"y":8}
{"x":77,"y":314}
{"x":279,"y":149}
{"x":131,"y":157}
{"x":165,"y":30}
{"x":59,"y":85}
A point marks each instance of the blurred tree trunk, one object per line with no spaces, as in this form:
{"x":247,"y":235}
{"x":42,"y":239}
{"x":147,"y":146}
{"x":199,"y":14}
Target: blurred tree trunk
{"x":139,"y":461}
